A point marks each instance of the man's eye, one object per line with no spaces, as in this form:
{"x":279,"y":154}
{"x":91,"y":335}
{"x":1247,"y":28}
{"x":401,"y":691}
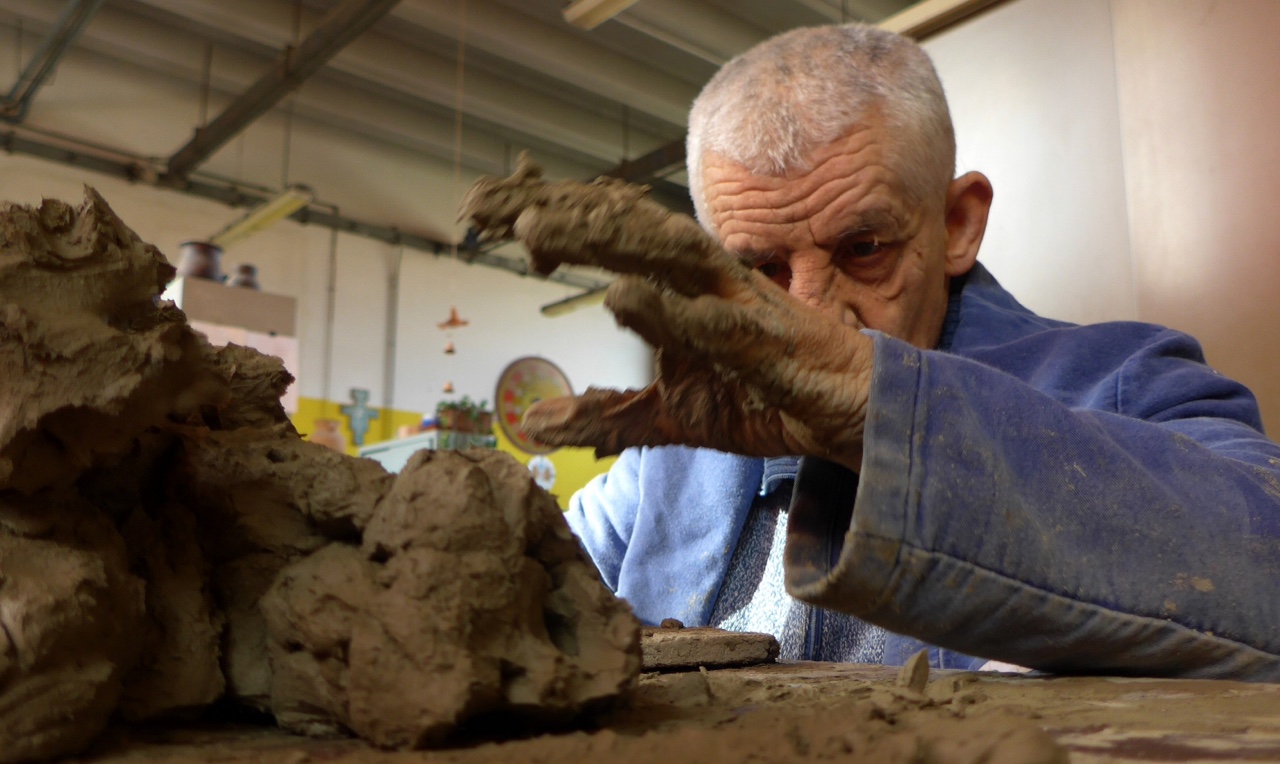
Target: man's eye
{"x":864,"y":248}
{"x":776,"y":271}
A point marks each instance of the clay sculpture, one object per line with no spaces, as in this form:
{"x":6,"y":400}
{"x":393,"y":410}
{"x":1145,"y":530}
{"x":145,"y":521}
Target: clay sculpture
{"x":167,"y":539}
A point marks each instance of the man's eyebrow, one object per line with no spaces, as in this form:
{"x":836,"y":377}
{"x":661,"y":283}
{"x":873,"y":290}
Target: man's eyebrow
{"x":875,"y":219}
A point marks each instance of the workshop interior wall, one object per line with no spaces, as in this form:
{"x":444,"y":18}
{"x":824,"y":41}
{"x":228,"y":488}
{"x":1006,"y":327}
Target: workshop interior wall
{"x":1199,"y":85}
{"x":1033,"y":98}
{"x":151,"y":115}
{"x":1132,"y":148}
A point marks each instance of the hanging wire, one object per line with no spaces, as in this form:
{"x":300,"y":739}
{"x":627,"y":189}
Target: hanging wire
{"x":289,"y":51}
{"x":626,"y":133}
{"x":393,"y":330}
{"x":330,"y":309}
{"x":457,"y":119}
{"x":288,"y":141}
{"x":457,"y":185}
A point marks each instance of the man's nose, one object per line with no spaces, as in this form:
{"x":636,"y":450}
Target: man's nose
{"x":811,"y":277}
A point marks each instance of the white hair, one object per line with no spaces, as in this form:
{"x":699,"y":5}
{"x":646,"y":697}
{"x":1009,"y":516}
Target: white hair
{"x":770,"y":108}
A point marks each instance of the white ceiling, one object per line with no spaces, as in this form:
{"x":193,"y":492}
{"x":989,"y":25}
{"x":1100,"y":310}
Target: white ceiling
{"x":531,"y":79}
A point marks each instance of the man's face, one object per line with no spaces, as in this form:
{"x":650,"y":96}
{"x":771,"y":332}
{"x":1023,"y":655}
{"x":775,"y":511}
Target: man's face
{"x":845,"y":236}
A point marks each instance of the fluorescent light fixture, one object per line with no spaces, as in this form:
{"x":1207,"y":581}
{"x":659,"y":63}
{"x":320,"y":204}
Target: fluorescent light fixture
{"x":263,"y":216}
{"x":570,"y":304}
{"x":590,"y":14}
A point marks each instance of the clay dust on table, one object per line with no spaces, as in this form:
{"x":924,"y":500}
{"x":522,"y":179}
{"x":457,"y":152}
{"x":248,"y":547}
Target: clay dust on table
{"x":168,"y":540}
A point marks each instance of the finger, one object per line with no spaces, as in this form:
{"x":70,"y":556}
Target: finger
{"x":629,"y":235}
{"x":784,"y":352}
{"x":723,"y":331}
{"x":607,"y":420}
{"x":493,"y":204}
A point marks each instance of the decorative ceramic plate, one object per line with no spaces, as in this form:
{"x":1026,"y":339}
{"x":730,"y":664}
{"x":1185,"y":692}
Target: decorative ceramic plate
{"x":523,"y":383}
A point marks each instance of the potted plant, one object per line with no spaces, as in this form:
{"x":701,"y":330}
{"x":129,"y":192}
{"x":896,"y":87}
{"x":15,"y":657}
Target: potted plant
{"x":466,"y":415}
{"x":447,"y":415}
{"x":484,"y":418}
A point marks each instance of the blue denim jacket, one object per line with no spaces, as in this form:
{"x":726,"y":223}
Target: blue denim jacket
{"x":1069,"y":498}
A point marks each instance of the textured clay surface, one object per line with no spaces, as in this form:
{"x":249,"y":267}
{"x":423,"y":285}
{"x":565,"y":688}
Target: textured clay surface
{"x":152,"y":491}
{"x":800,"y":712}
{"x":668,"y":649}
{"x":483,"y":603}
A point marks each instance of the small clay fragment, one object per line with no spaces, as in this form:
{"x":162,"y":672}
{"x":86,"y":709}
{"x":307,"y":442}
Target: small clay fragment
{"x":914,"y":675}
{"x":670,"y":649}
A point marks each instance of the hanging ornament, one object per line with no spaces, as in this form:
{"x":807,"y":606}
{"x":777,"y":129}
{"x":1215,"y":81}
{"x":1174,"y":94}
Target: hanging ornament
{"x":454,"y":320}
{"x":448,"y":387}
{"x":449,"y":349}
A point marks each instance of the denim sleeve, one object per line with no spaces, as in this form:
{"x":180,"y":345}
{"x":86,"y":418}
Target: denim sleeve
{"x":995,"y":520}
{"x":603,"y":513}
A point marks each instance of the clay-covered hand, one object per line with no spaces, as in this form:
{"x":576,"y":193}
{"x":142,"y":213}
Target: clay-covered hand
{"x":743,"y":367}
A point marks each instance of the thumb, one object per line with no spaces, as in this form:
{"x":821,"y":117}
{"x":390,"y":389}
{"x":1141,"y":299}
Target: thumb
{"x":607,"y":420}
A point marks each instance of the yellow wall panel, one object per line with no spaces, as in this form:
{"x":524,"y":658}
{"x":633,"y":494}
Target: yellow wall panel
{"x":574,"y":467}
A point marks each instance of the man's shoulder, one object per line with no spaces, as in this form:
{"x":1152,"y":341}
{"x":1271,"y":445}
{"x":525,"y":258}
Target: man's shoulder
{"x":991,"y":320}
{"x":1078,"y":364}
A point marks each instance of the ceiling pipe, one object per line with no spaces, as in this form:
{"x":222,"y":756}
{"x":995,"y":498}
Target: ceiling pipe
{"x":338,"y":27}
{"x":55,"y":44}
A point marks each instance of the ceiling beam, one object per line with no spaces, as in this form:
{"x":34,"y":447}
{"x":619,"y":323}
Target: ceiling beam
{"x":929,"y":17}
{"x":644,"y":168}
{"x":64,"y":32}
{"x":649,"y":168}
{"x":338,"y":27}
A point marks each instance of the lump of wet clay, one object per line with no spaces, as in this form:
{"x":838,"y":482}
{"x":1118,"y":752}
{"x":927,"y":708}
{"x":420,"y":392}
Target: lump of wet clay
{"x":90,"y":365}
{"x":467,"y":595}
{"x":87,"y":356}
{"x":265,"y":498}
{"x":256,"y":383}
{"x":167,"y":540}
{"x":70,"y":613}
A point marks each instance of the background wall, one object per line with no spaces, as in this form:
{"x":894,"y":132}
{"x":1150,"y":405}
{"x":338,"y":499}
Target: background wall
{"x":143,"y":112}
{"x":1132,"y":148}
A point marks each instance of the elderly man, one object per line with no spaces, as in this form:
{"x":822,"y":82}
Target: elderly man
{"x":926,"y":460}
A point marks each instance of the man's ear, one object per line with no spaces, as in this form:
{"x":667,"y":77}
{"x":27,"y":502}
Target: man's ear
{"x":968,"y":202}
